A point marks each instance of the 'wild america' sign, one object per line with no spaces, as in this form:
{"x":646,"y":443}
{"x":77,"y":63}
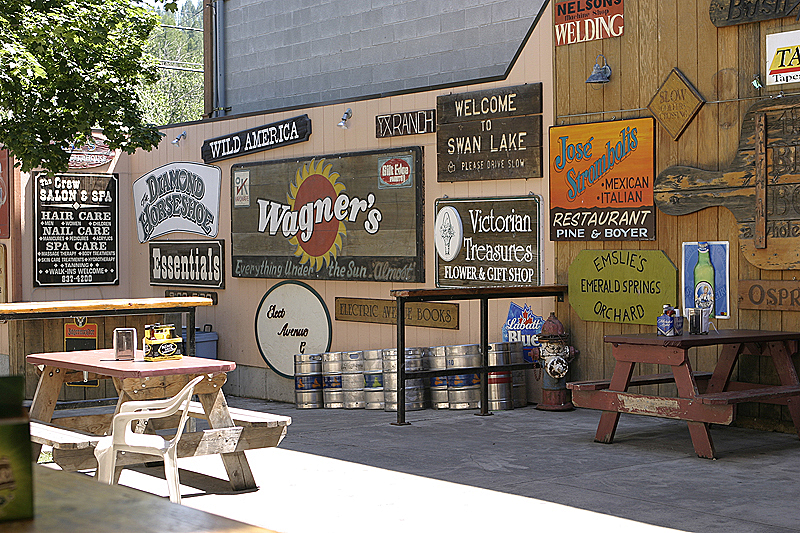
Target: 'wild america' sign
{"x":283,"y":133}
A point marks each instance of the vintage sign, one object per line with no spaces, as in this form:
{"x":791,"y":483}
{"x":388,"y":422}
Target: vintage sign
{"x":601,"y":181}
{"x":675,"y":103}
{"x":488,"y":242}
{"x":211,"y":295}
{"x":291,"y":318}
{"x":179,"y":196}
{"x":579,"y":21}
{"x":491,"y":134}
{"x":783,"y":57}
{"x":406,"y":123}
{"x":622,"y":286}
{"x":6,"y":164}
{"x":769,"y":295}
{"x":188,"y":263}
{"x":732,"y":12}
{"x":375,"y":311}
{"x":769,"y":225}
{"x":77,"y":239}
{"x":352,"y":217}
{"x":283,"y":133}
{"x":719,"y":255}
{"x":241,"y":188}
{"x":80,"y":337}
{"x":94,"y":153}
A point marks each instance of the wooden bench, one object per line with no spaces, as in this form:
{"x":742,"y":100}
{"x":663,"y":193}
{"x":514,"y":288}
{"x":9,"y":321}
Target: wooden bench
{"x":73,"y":449}
{"x":772,"y":394}
{"x":636,"y":381}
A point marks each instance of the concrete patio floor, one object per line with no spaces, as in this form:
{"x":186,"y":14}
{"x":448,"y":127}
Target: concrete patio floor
{"x":351,"y":471}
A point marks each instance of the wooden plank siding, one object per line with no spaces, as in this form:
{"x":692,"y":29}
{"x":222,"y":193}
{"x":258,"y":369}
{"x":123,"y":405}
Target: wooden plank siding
{"x":720,"y":63}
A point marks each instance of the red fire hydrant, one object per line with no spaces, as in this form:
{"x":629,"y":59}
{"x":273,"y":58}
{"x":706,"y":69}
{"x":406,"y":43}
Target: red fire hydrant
{"x":554,"y":355}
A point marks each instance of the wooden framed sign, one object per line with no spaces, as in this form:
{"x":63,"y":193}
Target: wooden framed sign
{"x":488,"y":242}
{"x":732,"y":12}
{"x":376,"y":311}
{"x":77,"y":224}
{"x":188,"y":263}
{"x":350,"y":217}
{"x":601,"y":181}
{"x":491,"y":134}
{"x":622,"y":286}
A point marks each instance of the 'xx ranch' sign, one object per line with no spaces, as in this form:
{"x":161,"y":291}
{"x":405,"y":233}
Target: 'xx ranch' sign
{"x":177,"y":197}
{"x":487,"y":242}
{"x":354,"y":217}
{"x":601,"y":181}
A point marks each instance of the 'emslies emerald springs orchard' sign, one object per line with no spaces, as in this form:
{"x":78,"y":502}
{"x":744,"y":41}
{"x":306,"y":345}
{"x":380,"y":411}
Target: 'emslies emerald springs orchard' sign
{"x":623,"y":286}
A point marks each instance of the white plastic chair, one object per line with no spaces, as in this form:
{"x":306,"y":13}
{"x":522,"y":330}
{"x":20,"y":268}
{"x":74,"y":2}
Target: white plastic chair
{"x":123,"y":439}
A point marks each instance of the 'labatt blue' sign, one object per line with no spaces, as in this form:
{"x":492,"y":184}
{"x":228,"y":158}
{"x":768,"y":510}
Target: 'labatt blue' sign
{"x":523,"y":325}
{"x":179,"y":196}
{"x":290,"y":131}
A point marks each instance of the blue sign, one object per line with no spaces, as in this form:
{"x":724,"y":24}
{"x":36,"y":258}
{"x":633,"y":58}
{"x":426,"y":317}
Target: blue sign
{"x":523,"y":325}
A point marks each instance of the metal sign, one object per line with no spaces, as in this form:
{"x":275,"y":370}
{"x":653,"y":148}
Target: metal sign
{"x":94,"y":153}
{"x":579,"y":21}
{"x":292,"y":318}
{"x":783,"y":57}
{"x":179,"y":196}
{"x":488,"y":242}
{"x":350,"y":217}
{"x":601,"y":181}
{"x":491,"y":134}
{"x":622,"y":286}
{"x":188,"y":263}
{"x":76,"y":219}
{"x":283,"y":133}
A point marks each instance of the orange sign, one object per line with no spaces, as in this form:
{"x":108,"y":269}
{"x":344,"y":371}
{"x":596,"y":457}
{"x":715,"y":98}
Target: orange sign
{"x":601,"y":181}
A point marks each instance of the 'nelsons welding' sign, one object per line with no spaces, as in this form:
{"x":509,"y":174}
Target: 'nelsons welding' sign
{"x":177,"y":197}
{"x":290,"y":131}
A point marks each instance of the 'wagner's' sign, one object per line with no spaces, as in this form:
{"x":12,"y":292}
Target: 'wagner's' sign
{"x":177,"y":197}
{"x":601,"y":181}
{"x":487,"y":242}
{"x":188,"y":263}
{"x":622,"y":286}
{"x":77,"y":228}
{"x":350,"y":217}
{"x":491,"y":134}
{"x":290,"y":131}
{"x":578,"y":21}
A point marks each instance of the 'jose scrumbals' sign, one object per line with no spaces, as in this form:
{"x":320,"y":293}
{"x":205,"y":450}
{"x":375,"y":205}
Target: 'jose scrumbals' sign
{"x":76,"y":230}
{"x":354,"y":217}
{"x":177,"y":197}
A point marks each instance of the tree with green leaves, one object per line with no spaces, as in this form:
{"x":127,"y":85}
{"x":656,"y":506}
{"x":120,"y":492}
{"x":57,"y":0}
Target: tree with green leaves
{"x":68,"y":66}
{"x":177,"y":44}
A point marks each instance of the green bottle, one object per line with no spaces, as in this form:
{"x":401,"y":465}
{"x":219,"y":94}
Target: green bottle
{"x":704,"y":279}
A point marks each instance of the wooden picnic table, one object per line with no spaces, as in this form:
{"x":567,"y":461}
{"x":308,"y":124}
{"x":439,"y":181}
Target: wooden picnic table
{"x":143,"y":380}
{"x":67,"y":501}
{"x":703,"y":398}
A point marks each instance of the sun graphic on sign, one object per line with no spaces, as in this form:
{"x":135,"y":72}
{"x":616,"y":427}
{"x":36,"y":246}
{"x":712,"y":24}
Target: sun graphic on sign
{"x":314,"y":182}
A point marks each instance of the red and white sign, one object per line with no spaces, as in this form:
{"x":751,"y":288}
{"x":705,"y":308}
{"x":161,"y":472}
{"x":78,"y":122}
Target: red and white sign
{"x":95,"y":153}
{"x":579,"y":21}
{"x":395,"y":172}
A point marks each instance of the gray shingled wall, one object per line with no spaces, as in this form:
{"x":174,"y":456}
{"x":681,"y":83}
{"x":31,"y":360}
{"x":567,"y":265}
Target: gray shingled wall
{"x":291,"y":53}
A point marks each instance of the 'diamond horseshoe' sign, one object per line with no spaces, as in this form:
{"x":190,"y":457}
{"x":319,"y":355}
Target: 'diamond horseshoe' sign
{"x":291,"y":319}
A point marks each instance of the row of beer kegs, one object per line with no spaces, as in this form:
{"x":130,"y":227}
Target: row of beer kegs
{"x":367,"y":379}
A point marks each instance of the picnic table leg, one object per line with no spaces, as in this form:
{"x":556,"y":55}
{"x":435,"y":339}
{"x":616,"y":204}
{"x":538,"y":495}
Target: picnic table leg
{"x":687,"y":388}
{"x":782,"y":359}
{"x":216,"y":409}
{"x":45,"y":398}
{"x":722,"y":372}
{"x":609,"y":419}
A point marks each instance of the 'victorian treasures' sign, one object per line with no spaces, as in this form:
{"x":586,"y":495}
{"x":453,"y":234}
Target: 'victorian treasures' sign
{"x":601,"y":181}
{"x":177,"y":197}
{"x":354,"y":217}
{"x":622,"y":286}
{"x":761,"y":186}
{"x":76,"y":230}
{"x":491,"y":134}
{"x":487,"y":242}
{"x":290,"y":131}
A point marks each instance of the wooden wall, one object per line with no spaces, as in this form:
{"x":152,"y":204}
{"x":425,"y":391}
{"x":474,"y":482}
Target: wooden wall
{"x":720,"y":63}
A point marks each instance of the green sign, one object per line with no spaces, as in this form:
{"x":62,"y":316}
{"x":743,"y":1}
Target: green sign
{"x":623,"y":286}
